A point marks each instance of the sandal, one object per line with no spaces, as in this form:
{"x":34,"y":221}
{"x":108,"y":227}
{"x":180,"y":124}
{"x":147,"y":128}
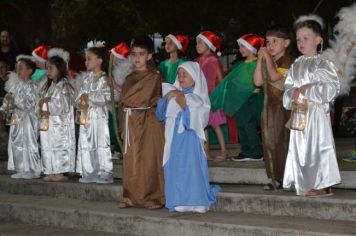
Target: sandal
{"x":222,"y":157}
{"x":123,"y":205}
{"x":155,"y":206}
{"x":316,"y":193}
{"x":49,"y":178}
{"x":60,"y":178}
{"x":269,"y":186}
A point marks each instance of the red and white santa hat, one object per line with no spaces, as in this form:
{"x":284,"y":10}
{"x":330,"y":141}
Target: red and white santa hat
{"x":40,"y":53}
{"x":181,"y":41}
{"x":251,"y":41}
{"x":59,"y":52}
{"x":212,"y":40}
{"x":121,"y":51}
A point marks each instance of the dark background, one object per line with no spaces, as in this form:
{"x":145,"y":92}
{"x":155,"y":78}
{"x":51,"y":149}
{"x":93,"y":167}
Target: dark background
{"x":70,"y":24}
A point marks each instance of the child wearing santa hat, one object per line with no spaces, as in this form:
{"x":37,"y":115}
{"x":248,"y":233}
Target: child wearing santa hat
{"x":238,"y":95}
{"x":40,"y":55}
{"x":208,"y":44}
{"x":121,"y":68}
{"x":176,"y":46}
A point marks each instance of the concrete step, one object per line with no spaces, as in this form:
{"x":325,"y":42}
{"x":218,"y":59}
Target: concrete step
{"x":106,"y":216}
{"x":20,"y":229}
{"x":232,"y":198}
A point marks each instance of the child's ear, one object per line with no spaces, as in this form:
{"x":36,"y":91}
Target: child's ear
{"x":149,"y":56}
{"x":286,"y":43}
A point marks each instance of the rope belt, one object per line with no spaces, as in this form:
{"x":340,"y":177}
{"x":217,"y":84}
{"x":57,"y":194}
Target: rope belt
{"x":128,"y":112}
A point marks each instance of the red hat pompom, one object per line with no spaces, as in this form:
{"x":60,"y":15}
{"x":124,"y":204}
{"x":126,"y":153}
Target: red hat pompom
{"x":40,"y":53}
{"x":121,"y":51}
{"x":181,"y":41}
{"x":252,"y":42}
{"x":212,"y":40}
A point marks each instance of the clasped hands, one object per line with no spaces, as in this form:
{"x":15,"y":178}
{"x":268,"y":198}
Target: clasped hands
{"x":298,"y":91}
{"x":180,"y":98}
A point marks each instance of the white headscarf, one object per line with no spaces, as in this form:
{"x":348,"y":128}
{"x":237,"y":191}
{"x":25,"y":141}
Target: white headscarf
{"x":198,"y":103}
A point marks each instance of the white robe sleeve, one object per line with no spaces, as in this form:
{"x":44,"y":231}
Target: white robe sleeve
{"x":327,"y":85}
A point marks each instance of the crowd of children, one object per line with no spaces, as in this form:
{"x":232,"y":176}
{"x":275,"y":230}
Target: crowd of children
{"x":164,"y":113}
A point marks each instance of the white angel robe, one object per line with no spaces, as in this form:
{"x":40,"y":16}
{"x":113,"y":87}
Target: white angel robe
{"x":94,"y":154}
{"x":58,"y":142}
{"x":23,"y":150}
{"x":311,"y":161}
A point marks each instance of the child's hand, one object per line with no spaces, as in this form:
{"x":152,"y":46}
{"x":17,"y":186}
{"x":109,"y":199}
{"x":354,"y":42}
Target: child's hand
{"x":44,"y":100}
{"x":295,"y":94}
{"x":8,"y":96}
{"x":173,"y":94}
{"x":84,"y":98}
{"x":261,"y":53}
{"x":180,"y":99}
{"x":112,"y":84}
{"x":302,"y":89}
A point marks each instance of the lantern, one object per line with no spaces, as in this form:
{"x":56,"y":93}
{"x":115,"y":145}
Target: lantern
{"x":82,"y":113}
{"x":299,"y":115}
{"x":10,"y":117}
{"x":44,"y":117}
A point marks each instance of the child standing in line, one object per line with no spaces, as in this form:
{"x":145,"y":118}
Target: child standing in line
{"x":185,"y":109}
{"x":237,"y":94}
{"x":142,"y":132}
{"x":121,"y":68}
{"x":208,"y":44}
{"x":58,"y":141}
{"x":175,"y":45}
{"x":40,"y":54}
{"x":271,"y":75}
{"x":23,"y":151}
{"x":312,"y":80}
{"x":94,"y":161}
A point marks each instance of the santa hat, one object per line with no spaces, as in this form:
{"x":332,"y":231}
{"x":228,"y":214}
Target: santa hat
{"x":181,"y":41}
{"x":59,"y":52}
{"x":40,"y":53}
{"x":310,"y":17}
{"x":251,"y":41}
{"x":212,"y":40}
{"x":121,"y":51}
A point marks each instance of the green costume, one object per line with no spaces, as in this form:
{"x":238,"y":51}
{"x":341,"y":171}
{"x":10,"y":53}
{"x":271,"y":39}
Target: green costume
{"x":169,"y":69}
{"x":39,"y":74}
{"x":238,"y":94}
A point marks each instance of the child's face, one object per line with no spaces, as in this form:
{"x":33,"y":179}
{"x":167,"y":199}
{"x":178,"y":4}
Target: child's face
{"x":276,"y":46}
{"x":3,"y":69}
{"x":201,"y":47}
{"x":52,"y":72}
{"x":244,"y":51}
{"x":92,"y":61}
{"x":307,"y":41}
{"x":140,"y":57}
{"x":170,"y":46}
{"x":23,"y":71}
{"x":185,"y":79}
